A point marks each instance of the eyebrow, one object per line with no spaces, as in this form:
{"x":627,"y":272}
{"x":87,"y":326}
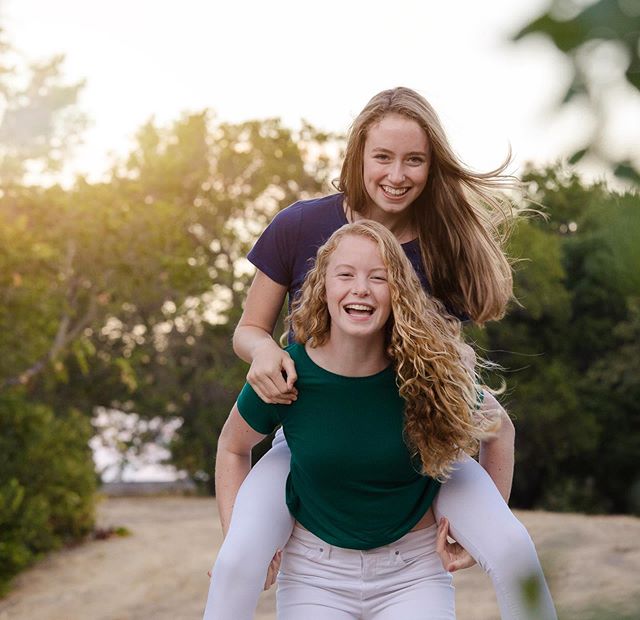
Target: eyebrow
{"x":347,"y":266}
{"x":381,"y":149}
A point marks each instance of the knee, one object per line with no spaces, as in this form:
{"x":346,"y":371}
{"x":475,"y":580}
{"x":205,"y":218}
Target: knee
{"x":513,"y":550}
{"x":236,"y":563}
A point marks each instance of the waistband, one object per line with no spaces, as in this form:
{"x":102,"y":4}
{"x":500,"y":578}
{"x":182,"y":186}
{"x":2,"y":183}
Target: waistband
{"x":423,"y":538}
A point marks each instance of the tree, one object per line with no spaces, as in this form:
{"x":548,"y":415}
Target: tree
{"x":144,"y":305}
{"x":39,"y":118}
{"x":565,"y":347}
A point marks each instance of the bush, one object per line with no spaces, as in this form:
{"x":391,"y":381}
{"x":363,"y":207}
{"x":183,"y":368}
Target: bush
{"x":47,"y":481}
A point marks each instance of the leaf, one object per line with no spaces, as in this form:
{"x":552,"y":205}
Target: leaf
{"x":625,"y":170}
{"x":577,"y":156}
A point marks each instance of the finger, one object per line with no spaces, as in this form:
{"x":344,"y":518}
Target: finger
{"x":465,"y":562}
{"x":269,"y":393}
{"x":281,"y":400}
{"x":456,"y":565}
{"x":285,"y":399}
{"x":277,"y":561}
{"x":271,"y":577}
{"x":289,"y":369}
{"x":269,"y":580}
{"x":278,"y":384}
{"x":441,"y":539}
{"x":258,"y":388}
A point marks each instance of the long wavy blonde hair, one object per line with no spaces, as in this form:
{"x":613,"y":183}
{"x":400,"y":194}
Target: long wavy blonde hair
{"x":440,"y":393}
{"x":462,"y":217}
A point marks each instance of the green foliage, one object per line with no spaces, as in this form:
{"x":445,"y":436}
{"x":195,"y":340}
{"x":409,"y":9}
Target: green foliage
{"x":47,"y":483}
{"x":125,"y":294}
{"x":571,"y":348}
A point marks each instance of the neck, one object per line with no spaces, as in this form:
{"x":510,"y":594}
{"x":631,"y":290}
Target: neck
{"x":400,"y":224}
{"x":351,"y":357}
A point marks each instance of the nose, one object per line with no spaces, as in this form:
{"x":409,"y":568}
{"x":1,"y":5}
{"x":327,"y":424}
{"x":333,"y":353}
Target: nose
{"x":360,"y":287}
{"x":396,"y":173}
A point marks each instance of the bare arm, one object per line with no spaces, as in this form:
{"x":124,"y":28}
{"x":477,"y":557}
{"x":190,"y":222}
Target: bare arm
{"x":497,"y":453}
{"x":253,"y":342}
{"x":233,"y":462}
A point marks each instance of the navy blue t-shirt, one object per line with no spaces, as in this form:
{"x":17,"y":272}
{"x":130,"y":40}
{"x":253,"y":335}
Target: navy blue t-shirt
{"x":287,"y":248}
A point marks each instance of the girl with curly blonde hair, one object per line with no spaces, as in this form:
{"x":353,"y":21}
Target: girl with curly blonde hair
{"x":439,"y":391}
{"x":400,"y":171}
{"x":386,"y":408}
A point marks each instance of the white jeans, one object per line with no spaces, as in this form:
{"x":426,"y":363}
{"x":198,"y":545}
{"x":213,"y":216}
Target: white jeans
{"x":479,"y":519}
{"x":404,"y":580}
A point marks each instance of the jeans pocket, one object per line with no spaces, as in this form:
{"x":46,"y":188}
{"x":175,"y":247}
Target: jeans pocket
{"x":411,"y":556}
{"x":296,"y":551}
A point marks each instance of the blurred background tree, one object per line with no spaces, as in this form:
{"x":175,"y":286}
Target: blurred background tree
{"x":601,"y":40}
{"x":39,"y":120}
{"x":122,"y":294}
{"x":566,"y":348}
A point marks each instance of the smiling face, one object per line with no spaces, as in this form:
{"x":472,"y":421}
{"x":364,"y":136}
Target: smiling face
{"x":395,"y":165}
{"x":356,"y":288}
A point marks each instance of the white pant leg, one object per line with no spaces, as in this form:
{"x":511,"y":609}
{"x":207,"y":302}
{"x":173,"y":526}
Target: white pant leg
{"x":401,"y":581}
{"x":260,"y":525}
{"x":484,"y":525}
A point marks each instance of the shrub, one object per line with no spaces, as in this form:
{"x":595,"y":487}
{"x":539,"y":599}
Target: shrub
{"x":47,"y":481}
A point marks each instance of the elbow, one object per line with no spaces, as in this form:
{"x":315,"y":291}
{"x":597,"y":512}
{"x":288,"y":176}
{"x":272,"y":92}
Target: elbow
{"x":229,"y":446}
{"x":507,"y":431}
{"x":235,"y":340}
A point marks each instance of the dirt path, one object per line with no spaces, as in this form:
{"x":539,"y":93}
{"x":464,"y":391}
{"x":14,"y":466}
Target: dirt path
{"x":159,"y":572}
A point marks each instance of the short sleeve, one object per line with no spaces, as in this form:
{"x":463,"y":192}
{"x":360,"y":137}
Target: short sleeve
{"x":260,"y":416}
{"x":274,"y":252}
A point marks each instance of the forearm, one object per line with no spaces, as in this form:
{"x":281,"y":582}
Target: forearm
{"x":231,"y":470}
{"x":497,"y":453}
{"x":248,"y":338}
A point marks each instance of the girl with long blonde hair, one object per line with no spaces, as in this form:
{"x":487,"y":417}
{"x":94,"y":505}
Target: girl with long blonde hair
{"x":451,"y":222}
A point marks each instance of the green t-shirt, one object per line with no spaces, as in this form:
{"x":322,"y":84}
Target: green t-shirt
{"x":352,"y":482}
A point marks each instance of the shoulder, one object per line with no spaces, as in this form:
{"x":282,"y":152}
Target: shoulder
{"x":309,"y":210}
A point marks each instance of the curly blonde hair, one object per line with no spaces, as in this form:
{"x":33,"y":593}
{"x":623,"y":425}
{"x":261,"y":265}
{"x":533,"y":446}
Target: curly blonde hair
{"x":463,"y":218}
{"x":423,"y":343}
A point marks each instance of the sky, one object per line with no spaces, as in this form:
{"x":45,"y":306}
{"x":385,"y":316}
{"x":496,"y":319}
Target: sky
{"x":296,"y":60}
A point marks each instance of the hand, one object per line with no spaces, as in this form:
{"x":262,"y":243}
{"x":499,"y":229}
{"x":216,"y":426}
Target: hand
{"x":267,"y":374}
{"x":453,"y":555}
{"x":272,"y":571}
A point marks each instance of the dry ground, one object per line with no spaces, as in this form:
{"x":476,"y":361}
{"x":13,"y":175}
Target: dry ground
{"x":159,"y":572}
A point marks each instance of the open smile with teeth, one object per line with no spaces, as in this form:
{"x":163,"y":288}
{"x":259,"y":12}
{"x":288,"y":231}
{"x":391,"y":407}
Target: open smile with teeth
{"x":359,"y":309}
{"x":395,"y":191}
